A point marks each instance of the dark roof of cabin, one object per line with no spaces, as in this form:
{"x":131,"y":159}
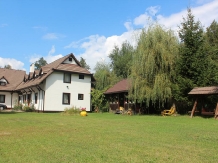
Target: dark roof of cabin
{"x":13,"y":77}
{"x":204,"y":90}
{"x":121,"y":86}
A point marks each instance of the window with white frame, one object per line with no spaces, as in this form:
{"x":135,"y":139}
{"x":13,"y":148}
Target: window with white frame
{"x":67,"y":78}
{"x":66,"y":98}
{"x":80,"y":96}
{"x":2,"y":98}
{"x":81,"y":76}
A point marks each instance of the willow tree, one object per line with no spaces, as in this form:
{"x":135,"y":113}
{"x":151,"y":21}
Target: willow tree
{"x":153,"y":65}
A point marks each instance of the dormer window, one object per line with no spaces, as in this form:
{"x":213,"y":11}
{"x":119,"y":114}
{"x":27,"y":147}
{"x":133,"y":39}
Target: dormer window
{"x":3,"y":81}
{"x":70,"y":59}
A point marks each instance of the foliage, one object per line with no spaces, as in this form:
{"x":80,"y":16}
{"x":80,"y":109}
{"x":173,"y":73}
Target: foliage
{"x":8,"y":66}
{"x":18,"y":107}
{"x":84,"y":64}
{"x":153,"y":66}
{"x":71,"y":111}
{"x":104,"y":77}
{"x":121,"y":59}
{"x":41,"y":62}
{"x":27,"y":108}
{"x":49,"y":137}
{"x":98,"y":100}
{"x":193,"y":63}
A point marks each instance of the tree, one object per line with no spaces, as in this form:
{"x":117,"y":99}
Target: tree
{"x":212,"y":51}
{"x":121,"y":59}
{"x":153,"y":66}
{"x":103,"y":75}
{"x":98,"y":100}
{"x":8,"y":66}
{"x":83,"y":63}
{"x":41,"y":62}
{"x":193,"y":63}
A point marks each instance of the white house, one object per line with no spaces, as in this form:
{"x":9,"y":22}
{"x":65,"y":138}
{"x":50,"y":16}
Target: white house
{"x":60,"y":84}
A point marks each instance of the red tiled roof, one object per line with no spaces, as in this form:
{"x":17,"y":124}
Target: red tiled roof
{"x":14,"y":78}
{"x":204,"y":90}
{"x":121,"y":86}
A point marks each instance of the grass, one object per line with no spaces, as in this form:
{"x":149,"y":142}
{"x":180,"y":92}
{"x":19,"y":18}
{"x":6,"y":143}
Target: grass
{"x":54,"y":137}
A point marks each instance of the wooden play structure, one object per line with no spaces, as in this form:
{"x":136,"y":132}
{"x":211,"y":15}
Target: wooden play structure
{"x":200,"y":93}
{"x":171,"y":111}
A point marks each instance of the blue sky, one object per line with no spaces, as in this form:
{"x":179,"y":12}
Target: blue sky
{"x":87,"y":28}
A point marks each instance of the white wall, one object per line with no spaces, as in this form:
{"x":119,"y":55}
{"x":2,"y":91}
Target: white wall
{"x":8,"y":98}
{"x":55,"y":87}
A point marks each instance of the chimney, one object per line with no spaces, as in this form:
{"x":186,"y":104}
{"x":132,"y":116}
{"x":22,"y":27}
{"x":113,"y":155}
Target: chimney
{"x":32,"y":67}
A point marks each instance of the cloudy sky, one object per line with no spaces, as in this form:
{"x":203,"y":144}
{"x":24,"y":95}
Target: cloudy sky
{"x":87,"y":28}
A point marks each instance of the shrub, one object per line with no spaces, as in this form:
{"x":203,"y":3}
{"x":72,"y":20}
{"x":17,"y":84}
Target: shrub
{"x":18,"y":107}
{"x":28,"y":108}
{"x":71,"y":110}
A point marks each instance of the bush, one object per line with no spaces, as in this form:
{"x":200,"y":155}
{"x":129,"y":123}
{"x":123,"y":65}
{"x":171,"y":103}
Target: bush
{"x":18,"y":107}
{"x":71,"y":110}
{"x":28,"y":108}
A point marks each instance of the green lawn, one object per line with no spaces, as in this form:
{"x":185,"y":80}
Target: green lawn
{"x":99,"y":138}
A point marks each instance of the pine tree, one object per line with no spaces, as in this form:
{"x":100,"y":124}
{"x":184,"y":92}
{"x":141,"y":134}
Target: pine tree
{"x":192,"y":66}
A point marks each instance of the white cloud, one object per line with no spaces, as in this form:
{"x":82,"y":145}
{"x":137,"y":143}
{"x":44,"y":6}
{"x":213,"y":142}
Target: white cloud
{"x":40,"y":28}
{"x":49,"y":57}
{"x":53,"y":36}
{"x":3,"y":25}
{"x":98,"y":47}
{"x":15,"y":64}
{"x":52,"y":51}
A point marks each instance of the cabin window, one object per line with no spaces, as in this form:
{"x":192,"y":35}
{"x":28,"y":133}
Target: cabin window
{"x":81,"y":76}
{"x":2,"y":98}
{"x":70,"y":59}
{"x":80,"y":96}
{"x":36,"y":98}
{"x":67,"y":78}
{"x":66,"y":98}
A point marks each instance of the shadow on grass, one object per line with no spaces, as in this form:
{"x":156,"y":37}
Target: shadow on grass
{"x":10,"y":112}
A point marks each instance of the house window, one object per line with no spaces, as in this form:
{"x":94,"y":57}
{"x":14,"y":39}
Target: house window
{"x":67,"y":78}
{"x":80,"y":96}
{"x":36,"y":98}
{"x":81,"y":76}
{"x":70,"y":59}
{"x":2,"y":83}
{"x":66,"y":98}
{"x":2,"y":98}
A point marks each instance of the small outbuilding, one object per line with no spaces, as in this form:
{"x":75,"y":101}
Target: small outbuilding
{"x":200,"y":93}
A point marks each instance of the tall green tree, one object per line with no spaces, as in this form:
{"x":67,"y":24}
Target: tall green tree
{"x":152,"y":70}
{"x":84,"y":64}
{"x":121,"y":59}
{"x":104,"y":76}
{"x":41,"y":62}
{"x":192,"y":66}
{"x":212,"y":52}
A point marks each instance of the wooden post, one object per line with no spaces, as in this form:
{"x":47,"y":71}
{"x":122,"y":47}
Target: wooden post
{"x":194,"y":107}
{"x":216,"y":112}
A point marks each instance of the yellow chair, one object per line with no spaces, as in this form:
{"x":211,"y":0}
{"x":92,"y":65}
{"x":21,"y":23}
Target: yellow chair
{"x":169,"y":112}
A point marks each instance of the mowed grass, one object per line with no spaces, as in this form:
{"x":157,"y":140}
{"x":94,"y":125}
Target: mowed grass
{"x":98,"y":138}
